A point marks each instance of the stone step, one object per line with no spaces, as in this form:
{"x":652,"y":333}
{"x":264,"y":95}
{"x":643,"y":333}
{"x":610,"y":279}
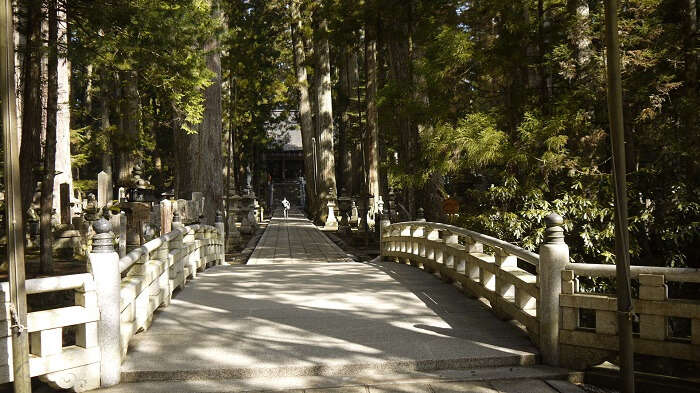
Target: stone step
{"x":342,"y":368}
{"x":535,"y":378}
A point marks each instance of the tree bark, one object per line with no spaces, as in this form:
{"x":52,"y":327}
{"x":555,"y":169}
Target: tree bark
{"x":203,"y":150}
{"x":325,"y":109}
{"x":691,"y":67}
{"x":211,"y":160}
{"x":348,"y":76}
{"x":342,"y":109}
{"x":580,"y":41}
{"x":399,"y":45}
{"x":30,"y":149}
{"x":305,"y":116}
{"x":372,"y":114}
{"x":63,"y":155}
{"x":105,"y":126}
{"x":129,"y":126}
{"x":46,"y":240}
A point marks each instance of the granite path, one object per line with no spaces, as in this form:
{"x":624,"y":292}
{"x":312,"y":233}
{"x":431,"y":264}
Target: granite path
{"x":300,"y":312}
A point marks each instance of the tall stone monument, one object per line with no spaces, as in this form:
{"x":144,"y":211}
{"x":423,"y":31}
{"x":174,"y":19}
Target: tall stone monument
{"x":104,"y":189}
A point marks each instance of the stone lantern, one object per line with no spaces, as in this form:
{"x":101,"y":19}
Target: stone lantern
{"x":331,"y":221}
{"x":344,"y":205}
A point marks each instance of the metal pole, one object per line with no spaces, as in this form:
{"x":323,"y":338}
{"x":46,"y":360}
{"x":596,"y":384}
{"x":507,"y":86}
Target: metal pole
{"x":15,"y":233}
{"x":624,"y":295}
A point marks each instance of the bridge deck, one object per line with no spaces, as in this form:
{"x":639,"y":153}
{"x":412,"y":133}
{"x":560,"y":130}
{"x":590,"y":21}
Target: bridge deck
{"x":295,"y":240}
{"x":271,"y":319}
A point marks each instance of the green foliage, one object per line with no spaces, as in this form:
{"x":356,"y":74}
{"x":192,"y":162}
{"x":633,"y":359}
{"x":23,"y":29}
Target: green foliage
{"x":504,"y":101}
{"x":473,"y":143}
{"x":519,"y":125}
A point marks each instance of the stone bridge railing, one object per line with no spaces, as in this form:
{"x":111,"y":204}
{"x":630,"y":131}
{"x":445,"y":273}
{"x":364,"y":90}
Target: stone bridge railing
{"x":112,"y":302}
{"x":541,"y":292}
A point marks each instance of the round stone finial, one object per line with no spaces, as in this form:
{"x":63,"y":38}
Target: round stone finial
{"x":102,"y":226}
{"x":420,"y":214}
{"x":553,"y":219}
{"x":103,"y":241}
{"x":554,"y":232}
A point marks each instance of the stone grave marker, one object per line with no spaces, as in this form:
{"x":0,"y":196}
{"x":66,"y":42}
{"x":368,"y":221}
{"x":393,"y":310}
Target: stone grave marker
{"x":166,"y":216}
{"x":104,"y":189}
{"x":155,"y":219}
{"x":65,"y":204}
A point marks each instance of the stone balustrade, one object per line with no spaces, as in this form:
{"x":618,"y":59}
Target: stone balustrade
{"x":586,"y":341}
{"x":484,"y":266}
{"x":113,"y":302}
{"x":153,"y":271}
{"x":541,"y":292}
{"x":62,"y":365}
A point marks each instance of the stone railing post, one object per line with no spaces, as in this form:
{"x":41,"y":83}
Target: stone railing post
{"x":177,"y":269}
{"x":122,"y":234}
{"x":163,"y":255}
{"x":554,"y":254}
{"x":219,"y":237}
{"x":104,"y":265}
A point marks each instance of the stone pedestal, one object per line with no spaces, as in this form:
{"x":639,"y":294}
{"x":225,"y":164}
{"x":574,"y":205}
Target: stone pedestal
{"x":344,"y":211}
{"x":246,"y":224}
{"x":257,"y":209}
{"x":137,"y":214}
{"x":247,"y":211}
{"x":354,"y":215}
{"x":331,"y":221}
{"x":233,"y":236}
{"x":67,"y":243}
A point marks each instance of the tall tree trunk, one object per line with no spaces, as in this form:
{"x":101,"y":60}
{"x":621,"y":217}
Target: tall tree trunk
{"x":325,"y":109}
{"x":30,"y":150}
{"x":355,"y":122}
{"x":399,"y":44}
{"x":306,"y":123}
{"x":372,"y":114}
{"x":348,"y":77}
{"x":105,"y":125}
{"x":579,"y":36}
{"x":691,"y":73}
{"x":342,"y":106}
{"x":63,"y":157}
{"x":211,"y":169}
{"x":129,"y":126}
{"x":205,"y":174}
{"x":46,"y":245}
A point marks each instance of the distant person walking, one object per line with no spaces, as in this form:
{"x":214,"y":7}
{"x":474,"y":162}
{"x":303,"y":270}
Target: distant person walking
{"x":286,"y":205}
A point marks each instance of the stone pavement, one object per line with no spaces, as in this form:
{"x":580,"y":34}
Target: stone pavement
{"x":295,"y":240}
{"x":327,"y":327}
{"x":523,"y":380}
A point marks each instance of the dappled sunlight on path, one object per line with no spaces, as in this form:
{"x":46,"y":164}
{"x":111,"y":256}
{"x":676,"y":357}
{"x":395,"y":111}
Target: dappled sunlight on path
{"x":320,"y":319}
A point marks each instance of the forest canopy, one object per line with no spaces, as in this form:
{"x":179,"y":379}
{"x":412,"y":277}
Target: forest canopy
{"x":498,"y":104}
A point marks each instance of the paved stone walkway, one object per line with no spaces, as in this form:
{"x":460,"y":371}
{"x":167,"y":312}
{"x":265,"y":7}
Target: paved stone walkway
{"x":295,"y":240}
{"x":327,"y":327}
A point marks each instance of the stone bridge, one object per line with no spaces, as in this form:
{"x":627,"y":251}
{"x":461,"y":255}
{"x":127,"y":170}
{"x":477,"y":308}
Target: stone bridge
{"x":460,"y":311}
